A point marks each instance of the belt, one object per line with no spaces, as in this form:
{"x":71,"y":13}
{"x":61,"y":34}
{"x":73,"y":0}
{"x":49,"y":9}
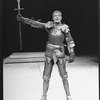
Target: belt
{"x":53,"y":45}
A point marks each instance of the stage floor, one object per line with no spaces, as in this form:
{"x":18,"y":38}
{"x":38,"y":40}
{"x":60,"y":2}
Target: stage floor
{"x":22,"y":78}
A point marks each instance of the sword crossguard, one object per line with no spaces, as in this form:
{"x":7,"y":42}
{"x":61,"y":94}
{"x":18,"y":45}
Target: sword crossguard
{"x":19,"y":9}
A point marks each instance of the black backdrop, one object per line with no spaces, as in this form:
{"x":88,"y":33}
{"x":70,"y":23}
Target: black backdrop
{"x":80,"y":15}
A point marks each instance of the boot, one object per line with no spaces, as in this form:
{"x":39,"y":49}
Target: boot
{"x":69,"y":97}
{"x":43,"y":97}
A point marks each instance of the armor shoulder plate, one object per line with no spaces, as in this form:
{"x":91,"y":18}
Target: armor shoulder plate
{"x":49,"y":24}
{"x":65,"y":28}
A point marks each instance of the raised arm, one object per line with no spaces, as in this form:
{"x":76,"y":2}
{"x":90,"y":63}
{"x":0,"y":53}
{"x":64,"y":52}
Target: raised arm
{"x":31,"y":22}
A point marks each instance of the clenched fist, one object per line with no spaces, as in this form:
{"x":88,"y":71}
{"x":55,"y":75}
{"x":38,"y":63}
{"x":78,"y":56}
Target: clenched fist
{"x":19,"y":17}
{"x":71,"y":57}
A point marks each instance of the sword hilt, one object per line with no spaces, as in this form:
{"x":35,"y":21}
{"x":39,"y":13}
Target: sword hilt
{"x":19,"y":9}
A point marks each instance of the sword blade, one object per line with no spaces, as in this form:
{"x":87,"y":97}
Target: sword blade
{"x":20,"y":36}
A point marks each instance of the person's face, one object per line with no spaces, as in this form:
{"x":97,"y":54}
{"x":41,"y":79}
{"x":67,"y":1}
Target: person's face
{"x":57,"y":17}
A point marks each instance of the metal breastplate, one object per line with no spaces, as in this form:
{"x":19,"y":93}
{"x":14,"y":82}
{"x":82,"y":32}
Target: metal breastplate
{"x":56,"y":36}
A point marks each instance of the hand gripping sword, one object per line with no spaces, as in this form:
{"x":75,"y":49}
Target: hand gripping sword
{"x":20,"y":35}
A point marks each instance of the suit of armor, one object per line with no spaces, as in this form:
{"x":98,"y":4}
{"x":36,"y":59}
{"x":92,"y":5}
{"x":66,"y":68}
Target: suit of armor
{"x":55,"y":53}
{"x":56,"y":36}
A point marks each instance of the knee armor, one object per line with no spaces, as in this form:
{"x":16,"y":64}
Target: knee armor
{"x":46,"y":79}
{"x":64,"y":78}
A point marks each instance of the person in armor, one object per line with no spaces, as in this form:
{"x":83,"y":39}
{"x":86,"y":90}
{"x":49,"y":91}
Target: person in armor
{"x":55,"y":52}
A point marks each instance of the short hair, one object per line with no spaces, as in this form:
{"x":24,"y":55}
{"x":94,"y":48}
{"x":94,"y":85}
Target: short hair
{"x":57,"y":11}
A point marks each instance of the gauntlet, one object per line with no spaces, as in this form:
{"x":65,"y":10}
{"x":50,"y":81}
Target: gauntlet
{"x":19,"y":17}
{"x":71,"y":57}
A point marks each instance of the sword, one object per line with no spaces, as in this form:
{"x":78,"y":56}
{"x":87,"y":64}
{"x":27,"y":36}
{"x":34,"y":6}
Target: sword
{"x":20,"y":34}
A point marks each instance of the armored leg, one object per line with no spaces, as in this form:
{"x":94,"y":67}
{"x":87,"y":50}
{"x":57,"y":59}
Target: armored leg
{"x":46,"y":76}
{"x":64,"y":76}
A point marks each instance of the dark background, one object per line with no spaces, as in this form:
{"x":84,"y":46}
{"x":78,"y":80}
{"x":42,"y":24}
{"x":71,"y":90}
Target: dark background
{"x":80,"y":15}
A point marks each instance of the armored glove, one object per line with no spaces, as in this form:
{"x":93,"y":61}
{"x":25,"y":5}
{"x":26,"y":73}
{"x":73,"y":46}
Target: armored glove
{"x":19,"y":17}
{"x":71,"y":57}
